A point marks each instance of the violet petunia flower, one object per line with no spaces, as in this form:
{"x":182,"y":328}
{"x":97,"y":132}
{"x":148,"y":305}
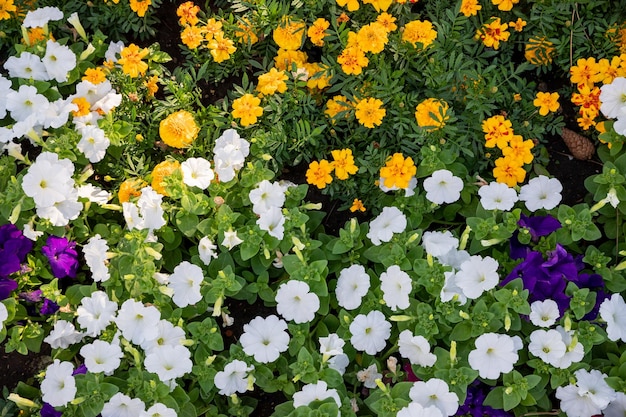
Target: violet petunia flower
{"x":537,"y":226}
{"x":48,"y":411}
{"x":62,"y":255}
{"x":7,"y":286}
{"x":34,"y":296}
{"x":14,"y":247}
{"x":473,"y":405}
{"x":48,"y":307}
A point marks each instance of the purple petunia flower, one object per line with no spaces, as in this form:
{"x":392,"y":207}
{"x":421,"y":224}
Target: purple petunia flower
{"x":14,"y":247}
{"x":62,"y":255}
{"x":48,"y":411}
{"x":48,"y":307}
{"x":6,"y":287}
{"x":537,"y":226}
{"x":81,"y":369}
{"x":473,"y":405}
{"x":32,"y":296}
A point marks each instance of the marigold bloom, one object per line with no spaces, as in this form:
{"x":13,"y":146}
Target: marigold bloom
{"x":352,"y":5}
{"x":152,"y":85}
{"x":272,"y":82}
{"x":609,"y":70}
{"x":369,"y":112}
{"x":318,"y":173}
{"x":343,"y":163}
{"x":498,"y":131}
{"x":162,"y":171}
{"x":343,"y":17}
{"x":492,"y":32}
{"x":379,"y":4}
{"x":419,"y":31}
{"x":94,"y":75}
{"x":6,"y":7}
{"x":587,"y":97}
{"x":470,"y":7}
{"x":539,"y":51}
{"x":187,"y":13}
{"x":518,"y":25}
{"x":387,"y":21}
{"x":35,"y":35}
{"x":319,"y":75}
{"x":212,"y":28}
{"x":130,"y":188}
{"x":140,"y":6}
{"x":245,"y":32}
{"x":587,"y":117}
{"x":179,"y":129}
{"x":317,"y":31}
{"x":504,"y":5}
{"x":357,"y":205}
{"x":431,"y":114}
{"x":285,"y":59}
{"x":519,"y":149}
{"x":372,"y":38}
{"x":547,"y":102}
{"x":247,"y":109}
{"x":221,"y":48}
{"x":84,"y":107}
{"x":509,"y":171}
{"x":352,"y":60}
{"x":289,"y":34}
{"x":398,"y":171}
{"x":337,"y":105}
{"x":192,"y":36}
{"x":131,"y":60}
{"x":586,"y":71}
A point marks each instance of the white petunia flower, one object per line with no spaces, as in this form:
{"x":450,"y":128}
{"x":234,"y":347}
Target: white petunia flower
{"x":93,"y":143}
{"x":613,"y":312}
{"x":265,"y":338}
{"x":167,"y":335}
{"x":26,"y":101}
{"x":547,"y":345}
{"x":574,"y":352}
{"x":63,"y":335}
{"x":352,"y":285}
{"x":94,"y":194}
{"x":416,"y":410}
{"x":234,"y":378}
{"x":59,"y":60}
{"x":231,"y":239}
{"x":370,"y":332}
{"x":391,"y":220}
{"x":339,"y":363}
{"x":369,"y":375}
{"x":497,"y":196}
{"x":477,"y":275}
{"x":49,"y":180}
{"x":95,"y":313}
{"x":438,"y":243}
{"x":58,"y":386}
{"x":266,"y":195}
{"x":28,"y":66}
{"x":331,"y":345}
{"x":315,"y":392}
{"x":4,"y":315}
{"x":185,"y":281}
{"x":617,"y":407}
{"x":101,"y":356}
{"x":541,"y":193}
{"x":95,"y":252}
{"x":435,"y":393}
{"x":613,"y":98}
{"x":396,"y":286}
{"x":206,"y":250}
{"x":41,"y":16}
{"x":450,"y":290}
{"x":495,"y":354}
{"x":150,"y":209}
{"x":588,"y":397}
{"x":544,"y":313}
{"x":113,"y":51}
{"x":296,"y":302}
{"x":121,"y":405}
{"x":169,"y":362}
{"x":273,"y":222}
{"x":230,"y":153}
{"x":443,"y":187}
{"x":138,"y":323}
{"x":197,"y":172}
{"x":159,"y":410}
{"x":416,"y":349}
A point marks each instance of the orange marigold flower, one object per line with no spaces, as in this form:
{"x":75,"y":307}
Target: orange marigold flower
{"x":130,"y":188}
{"x":357,"y":205}
{"x":343,"y":163}
{"x":187,"y":12}
{"x":318,"y":173}
{"x":587,"y":97}
{"x":470,"y":7}
{"x":587,"y":117}
{"x":504,"y":5}
{"x":319,"y":75}
{"x":94,"y":75}
{"x":245,"y":32}
{"x":379,"y":4}
{"x":221,"y":48}
{"x":289,"y":34}
{"x":140,"y":6}
{"x":6,"y":8}
{"x":162,"y":171}
{"x":247,"y":109}
{"x":352,"y":5}
{"x":370,"y":112}
{"x":387,"y":21}
{"x":431,"y":114}
{"x":539,"y":51}
{"x":285,"y":59}
{"x":344,"y":17}
{"x":179,"y":129}
{"x":192,"y":36}
{"x":372,"y":38}
{"x":547,"y":102}
{"x":84,"y":107}
{"x":609,"y":70}
{"x":519,"y":149}
{"x":498,"y":131}
{"x":337,"y":105}
{"x":272,"y":82}
{"x":152,"y":85}
{"x":419,"y":31}
{"x":492,"y":32}
{"x":518,"y":25}
{"x":35,"y":35}
{"x":398,"y":171}
{"x":509,"y":171}
{"x":212,"y":28}
{"x":317,"y":31}
{"x":352,"y":60}
{"x":131,"y":60}
{"x":586,"y":71}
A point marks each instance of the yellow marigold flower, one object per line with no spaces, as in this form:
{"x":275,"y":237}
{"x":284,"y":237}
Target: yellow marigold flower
{"x":245,"y":32}
{"x":492,"y":32}
{"x":419,"y":31}
{"x":379,"y":4}
{"x":352,"y":60}
{"x":343,"y":163}
{"x":6,"y":7}
{"x":289,"y":34}
{"x":372,"y":38}
{"x":342,"y":18}
{"x":140,"y":6}
{"x":517,"y":97}
{"x":319,"y":76}
{"x":221,"y":48}
{"x":35,"y":35}
{"x":369,"y":112}
{"x":518,"y":25}
{"x":272,"y":82}
{"x":387,"y":21}
{"x":431,"y":114}
{"x":509,"y":171}
{"x":357,"y":205}
{"x":94,"y":75}
{"x":539,"y":51}
{"x":131,"y":60}
{"x":179,"y":129}
{"x":187,"y":13}
{"x":547,"y":102}
{"x":285,"y":59}
{"x":317,"y":31}
{"x":398,"y":171}
{"x":498,"y":131}
{"x":162,"y":171}
{"x":519,"y":149}
{"x":587,"y":97}
{"x":470,"y":7}
{"x":337,"y":105}
{"x":212,"y":28}
{"x":247,"y":109}
{"x":504,"y":5}
{"x":84,"y":107}
{"x":352,"y":5}
{"x":192,"y":36}
{"x":130,"y":188}
{"x":609,"y":70}
{"x":586,"y":71}
{"x":587,"y":118}
{"x":318,"y":173}
{"x":152,"y":85}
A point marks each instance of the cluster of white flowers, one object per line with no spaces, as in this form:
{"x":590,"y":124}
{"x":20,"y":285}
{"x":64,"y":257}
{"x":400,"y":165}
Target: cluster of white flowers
{"x":431,"y":398}
{"x":234,"y":378}
{"x":556,"y":347}
{"x":267,"y":201}
{"x":123,"y":405}
{"x":95,"y":252}
{"x":588,"y":397}
{"x":541,"y":192}
{"x":230,"y":153}
{"x":613,"y":312}
{"x":613,"y":103}
{"x":146,"y":213}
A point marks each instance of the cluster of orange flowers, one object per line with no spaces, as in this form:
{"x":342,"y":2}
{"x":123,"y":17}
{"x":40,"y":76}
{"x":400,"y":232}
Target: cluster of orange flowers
{"x":587,"y":74}
{"x":318,"y":173}
{"x":515,"y":150}
{"x":398,"y":171}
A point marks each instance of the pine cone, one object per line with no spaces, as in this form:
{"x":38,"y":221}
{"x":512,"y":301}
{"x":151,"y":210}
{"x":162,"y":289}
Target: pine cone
{"x":580,"y":146}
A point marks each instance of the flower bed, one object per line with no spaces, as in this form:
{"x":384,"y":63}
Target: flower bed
{"x":164,"y":242}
